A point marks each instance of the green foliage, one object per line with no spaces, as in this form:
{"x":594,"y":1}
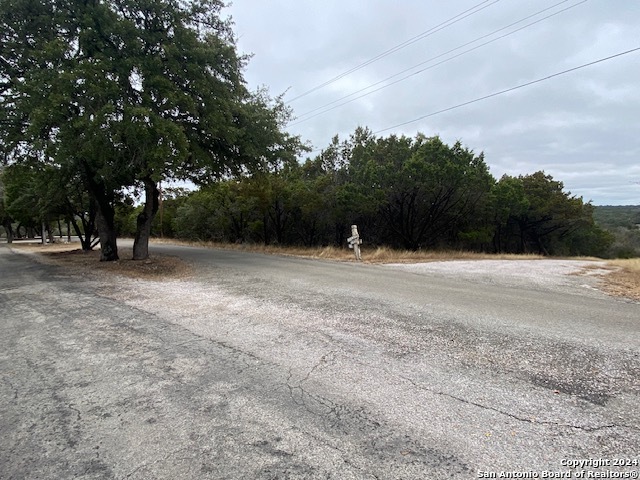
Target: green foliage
{"x":623,"y":224}
{"x":611,"y":217}
{"x":419,"y":192}
{"x":164,"y":224}
{"x":198,"y":218}
{"x":34,"y":194}
{"x":21,"y":194}
{"x":532,"y":213}
{"x":626,"y":243}
{"x":125,"y":219}
{"x":6,"y":220}
{"x":409,"y":193}
{"x":131,"y":92}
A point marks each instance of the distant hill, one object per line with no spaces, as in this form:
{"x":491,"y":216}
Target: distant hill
{"x":614,"y":216}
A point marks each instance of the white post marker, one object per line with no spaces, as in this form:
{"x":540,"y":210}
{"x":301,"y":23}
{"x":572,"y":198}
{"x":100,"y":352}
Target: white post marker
{"x":355,"y":241}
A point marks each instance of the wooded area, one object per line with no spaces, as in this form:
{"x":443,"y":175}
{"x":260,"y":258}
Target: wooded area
{"x":104,"y":101}
{"x":102,"y":98}
{"x":623,"y":222}
{"x":405,"y":193}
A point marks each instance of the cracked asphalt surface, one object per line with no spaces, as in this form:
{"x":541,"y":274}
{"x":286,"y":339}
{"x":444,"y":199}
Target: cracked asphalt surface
{"x":270,"y":367}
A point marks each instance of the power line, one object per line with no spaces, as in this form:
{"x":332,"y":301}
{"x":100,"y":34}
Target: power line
{"x":510,"y":89}
{"x":455,"y":19}
{"x":501,"y":92}
{"x":436,"y":64}
{"x":436,"y":57}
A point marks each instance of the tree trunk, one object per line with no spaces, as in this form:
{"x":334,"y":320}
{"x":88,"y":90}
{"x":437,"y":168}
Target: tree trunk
{"x":85,"y":240}
{"x":102,"y":200}
{"x":9,"y":229}
{"x":265,"y":229}
{"x":50,"y":233}
{"x":107,"y":232}
{"x":145,"y":219}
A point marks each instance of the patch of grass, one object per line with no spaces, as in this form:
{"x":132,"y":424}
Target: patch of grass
{"x":631,"y":264}
{"x":624,"y":280}
{"x":369,"y":254}
{"x":387,"y":255}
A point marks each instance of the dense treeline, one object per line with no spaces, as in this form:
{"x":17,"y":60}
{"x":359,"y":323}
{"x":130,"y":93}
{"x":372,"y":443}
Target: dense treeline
{"x":409,"y":193}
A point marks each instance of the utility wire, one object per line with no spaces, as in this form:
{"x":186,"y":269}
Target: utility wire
{"x":309,"y":116}
{"x":455,"y":19}
{"x":510,"y":89}
{"x":501,"y":92}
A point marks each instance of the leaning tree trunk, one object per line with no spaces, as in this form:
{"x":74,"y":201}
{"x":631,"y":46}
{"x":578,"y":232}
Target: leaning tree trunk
{"x":145,"y":219}
{"x":85,"y":239}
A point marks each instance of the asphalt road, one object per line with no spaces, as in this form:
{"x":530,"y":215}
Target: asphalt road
{"x":268,"y":367}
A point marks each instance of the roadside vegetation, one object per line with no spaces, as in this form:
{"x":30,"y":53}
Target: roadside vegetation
{"x":174,"y":106}
{"x":415,"y":194}
{"x":624,"y":280}
{"x":102,"y":99}
{"x":623,"y":223}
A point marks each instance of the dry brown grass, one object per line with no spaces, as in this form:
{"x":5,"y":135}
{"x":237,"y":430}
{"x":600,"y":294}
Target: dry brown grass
{"x":387,"y":255}
{"x":624,"y":279}
{"x":70,"y":256}
{"x":369,"y":254}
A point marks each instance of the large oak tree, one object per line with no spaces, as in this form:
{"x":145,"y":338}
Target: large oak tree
{"x":128,"y":93}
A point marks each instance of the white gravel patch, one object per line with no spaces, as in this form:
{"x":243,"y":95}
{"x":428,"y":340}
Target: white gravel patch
{"x":551,"y":274}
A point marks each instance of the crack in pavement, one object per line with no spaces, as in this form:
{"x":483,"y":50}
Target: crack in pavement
{"x":322,"y":360}
{"x":531,"y":421}
{"x":71,"y":407}
{"x":369,"y":403}
{"x":321,"y":400}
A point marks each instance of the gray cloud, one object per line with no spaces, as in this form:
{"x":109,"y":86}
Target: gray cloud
{"x":582,"y":127}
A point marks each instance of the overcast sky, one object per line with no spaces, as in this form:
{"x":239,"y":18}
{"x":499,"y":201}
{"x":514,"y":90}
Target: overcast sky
{"x":582,"y":127}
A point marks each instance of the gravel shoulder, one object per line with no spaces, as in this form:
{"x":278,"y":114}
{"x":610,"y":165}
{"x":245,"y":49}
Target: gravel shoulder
{"x":546,"y":274}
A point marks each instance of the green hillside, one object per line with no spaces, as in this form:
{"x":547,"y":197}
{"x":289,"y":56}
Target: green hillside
{"x":623,"y":223}
{"x":613,"y":216}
